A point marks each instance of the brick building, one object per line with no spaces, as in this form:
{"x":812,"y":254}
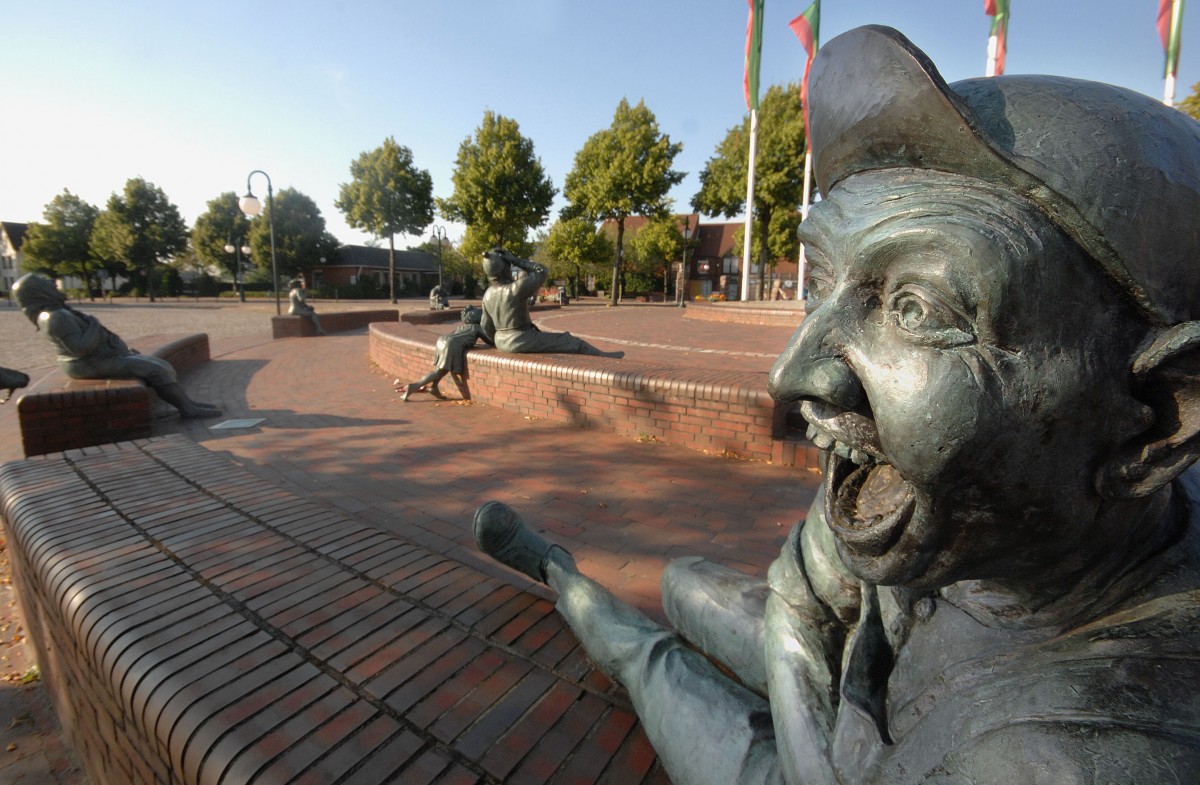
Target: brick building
{"x":416,"y":271}
{"x":714,"y":260}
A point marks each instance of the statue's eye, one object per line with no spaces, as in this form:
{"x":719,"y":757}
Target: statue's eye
{"x":820,"y":284}
{"x":928,"y":319}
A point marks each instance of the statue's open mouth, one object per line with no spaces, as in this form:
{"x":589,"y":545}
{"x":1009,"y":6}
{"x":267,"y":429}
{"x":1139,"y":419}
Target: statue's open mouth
{"x":867,"y":502}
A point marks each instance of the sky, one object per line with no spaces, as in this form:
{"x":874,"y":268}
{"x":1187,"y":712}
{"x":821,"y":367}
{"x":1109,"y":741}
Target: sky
{"x":194,"y":96}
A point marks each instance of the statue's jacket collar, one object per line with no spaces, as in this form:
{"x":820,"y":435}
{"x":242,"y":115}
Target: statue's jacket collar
{"x":915,"y":690}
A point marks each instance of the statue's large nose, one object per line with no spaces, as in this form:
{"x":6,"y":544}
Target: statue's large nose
{"x":812,"y":367}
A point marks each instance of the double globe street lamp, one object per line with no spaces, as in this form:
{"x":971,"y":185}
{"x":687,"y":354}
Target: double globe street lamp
{"x":439,"y":234}
{"x":238,"y":252}
{"x":252,"y":207}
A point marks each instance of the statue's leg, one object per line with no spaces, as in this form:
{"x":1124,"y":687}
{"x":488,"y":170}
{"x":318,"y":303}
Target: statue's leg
{"x":706,"y":728}
{"x":587,"y":348}
{"x":433,"y":377}
{"x":720,"y":611}
{"x":174,"y":394}
{"x":158,"y":374}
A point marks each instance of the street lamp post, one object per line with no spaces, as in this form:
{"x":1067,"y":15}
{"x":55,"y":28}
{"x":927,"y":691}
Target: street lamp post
{"x":238,"y":251}
{"x":252,"y":207}
{"x":439,"y":234}
{"x":687,"y":235}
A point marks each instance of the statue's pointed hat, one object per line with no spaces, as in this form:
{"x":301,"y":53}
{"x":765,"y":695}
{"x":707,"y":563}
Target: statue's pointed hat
{"x":1117,"y":170}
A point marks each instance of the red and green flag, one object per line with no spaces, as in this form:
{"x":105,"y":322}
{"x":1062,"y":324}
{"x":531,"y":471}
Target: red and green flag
{"x":1170,"y":19}
{"x":807,"y":28}
{"x":998,"y":38}
{"x":753,"y":52}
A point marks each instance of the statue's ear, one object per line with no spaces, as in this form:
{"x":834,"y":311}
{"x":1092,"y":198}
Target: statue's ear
{"x":1166,"y":379}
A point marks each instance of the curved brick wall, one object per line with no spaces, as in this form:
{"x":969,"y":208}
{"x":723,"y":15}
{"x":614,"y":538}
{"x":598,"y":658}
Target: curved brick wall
{"x":718,"y":411}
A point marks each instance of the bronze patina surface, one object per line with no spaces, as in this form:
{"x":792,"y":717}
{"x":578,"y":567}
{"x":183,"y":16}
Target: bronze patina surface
{"x":1000,"y":580}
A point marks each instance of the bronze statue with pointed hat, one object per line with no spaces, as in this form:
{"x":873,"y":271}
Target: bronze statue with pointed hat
{"x":999,"y":581}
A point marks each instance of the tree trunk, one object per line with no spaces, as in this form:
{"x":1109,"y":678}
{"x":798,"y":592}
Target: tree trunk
{"x":392,"y":268}
{"x":616,"y":278}
{"x":765,"y":253}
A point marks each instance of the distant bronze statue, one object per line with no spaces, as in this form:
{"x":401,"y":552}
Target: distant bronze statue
{"x":450,"y":357}
{"x":999,"y":581}
{"x":438,"y":301}
{"x":11,"y":380}
{"x":87,"y":350}
{"x":506,"y":320}
{"x":298,"y":304}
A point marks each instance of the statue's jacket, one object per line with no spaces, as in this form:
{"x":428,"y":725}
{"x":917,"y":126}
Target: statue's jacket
{"x":891,"y":687}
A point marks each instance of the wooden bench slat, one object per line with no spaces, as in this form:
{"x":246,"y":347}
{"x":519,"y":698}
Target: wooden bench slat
{"x":220,"y":641}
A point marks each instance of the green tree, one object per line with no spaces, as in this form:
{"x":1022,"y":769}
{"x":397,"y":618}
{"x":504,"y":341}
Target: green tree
{"x":223,"y":223}
{"x":476,"y":240}
{"x":1191,"y":105}
{"x":654,"y":247}
{"x":501,"y":190}
{"x":455,"y":266}
{"x":387,"y":195}
{"x":621,"y":171}
{"x":108,"y":253}
{"x":301,"y":241}
{"x":60,"y":245}
{"x":142,"y":227}
{"x":573,"y":249}
{"x":778,"y":174}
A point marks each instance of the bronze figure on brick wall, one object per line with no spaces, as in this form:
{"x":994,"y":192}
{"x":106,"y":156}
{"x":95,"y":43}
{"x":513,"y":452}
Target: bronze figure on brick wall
{"x":298,"y":304}
{"x":438,"y":300}
{"x":506,"y":320}
{"x":450,"y":357}
{"x":1000,"y":580}
{"x":88,"y":350}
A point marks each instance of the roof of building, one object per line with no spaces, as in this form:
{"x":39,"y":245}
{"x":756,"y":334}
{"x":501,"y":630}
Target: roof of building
{"x":633,"y":223}
{"x":716,"y":241}
{"x":377,"y":258}
{"x":16,"y":233}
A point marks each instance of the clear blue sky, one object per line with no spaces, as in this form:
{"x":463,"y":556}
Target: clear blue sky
{"x":192,"y":96}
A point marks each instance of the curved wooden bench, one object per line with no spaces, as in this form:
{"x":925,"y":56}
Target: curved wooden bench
{"x":454,"y":314}
{"x":293,"y":326}
{"x":727,"y":412}
{"x":195,"y":624}
{"x":781,"y":315}
{"x":65,"y":413}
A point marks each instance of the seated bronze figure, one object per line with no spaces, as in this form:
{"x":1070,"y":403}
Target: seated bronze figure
{"x":999,"y":581}
{"x":438,"y":299}
{"x":450,"y":357}
{"x":506,"y":321}
{"x":88,"y":350}
{"x":298,"y":304}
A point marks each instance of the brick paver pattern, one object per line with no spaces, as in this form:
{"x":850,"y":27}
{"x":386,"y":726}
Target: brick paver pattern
{"x":335,"y":431}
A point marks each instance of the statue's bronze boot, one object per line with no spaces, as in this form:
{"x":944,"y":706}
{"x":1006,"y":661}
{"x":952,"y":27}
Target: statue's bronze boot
{"x":500,"y":533}
{"x":409,"y":389}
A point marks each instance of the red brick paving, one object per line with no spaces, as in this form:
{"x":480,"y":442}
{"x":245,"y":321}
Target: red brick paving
{"x":336,"y":432}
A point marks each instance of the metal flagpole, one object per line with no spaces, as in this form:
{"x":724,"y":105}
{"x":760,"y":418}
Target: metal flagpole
{"x":1172,"y":38}
{"x":804,"y":215}
{"x":746,"y":245}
